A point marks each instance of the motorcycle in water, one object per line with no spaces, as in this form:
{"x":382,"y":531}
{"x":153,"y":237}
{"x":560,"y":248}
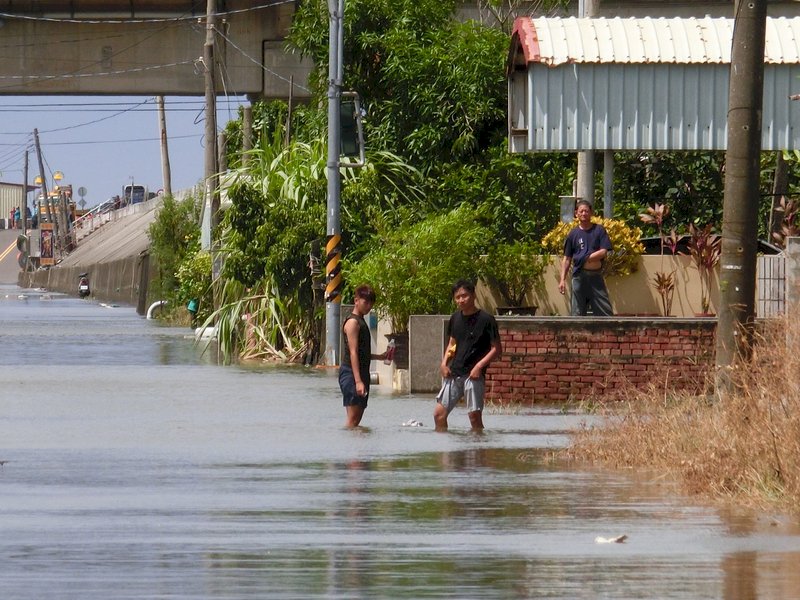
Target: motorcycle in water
{"x":83,"y":285}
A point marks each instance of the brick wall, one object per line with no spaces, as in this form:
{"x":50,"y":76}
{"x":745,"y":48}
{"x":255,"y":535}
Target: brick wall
{"x":557,"y":359}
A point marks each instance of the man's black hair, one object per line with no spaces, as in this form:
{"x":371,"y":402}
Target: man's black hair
{"x":463,"y":283}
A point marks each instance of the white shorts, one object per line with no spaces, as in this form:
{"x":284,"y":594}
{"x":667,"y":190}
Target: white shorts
{"x":454,"y":388}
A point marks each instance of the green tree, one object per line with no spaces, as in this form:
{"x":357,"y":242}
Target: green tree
{"x":174,"y":236}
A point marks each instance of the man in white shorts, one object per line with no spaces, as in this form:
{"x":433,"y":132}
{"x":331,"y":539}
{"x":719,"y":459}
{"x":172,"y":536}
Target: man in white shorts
{"x":474,"y":342}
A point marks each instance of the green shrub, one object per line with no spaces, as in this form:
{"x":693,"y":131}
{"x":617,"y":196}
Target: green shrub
{"x":623,"y":260}
{"x":194,"y":283}
{"x":413,"y":268}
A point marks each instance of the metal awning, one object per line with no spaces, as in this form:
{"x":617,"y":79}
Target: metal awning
{"x":641,"y":84}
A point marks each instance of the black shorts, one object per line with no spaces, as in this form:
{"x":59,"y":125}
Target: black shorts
{"x":347,"y":383}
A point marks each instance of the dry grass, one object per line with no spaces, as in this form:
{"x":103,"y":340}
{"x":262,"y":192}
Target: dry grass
{"x":744,"y":447}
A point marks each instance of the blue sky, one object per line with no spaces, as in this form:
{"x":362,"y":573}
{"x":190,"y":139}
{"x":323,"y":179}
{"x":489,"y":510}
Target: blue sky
{"x":102,"y":142}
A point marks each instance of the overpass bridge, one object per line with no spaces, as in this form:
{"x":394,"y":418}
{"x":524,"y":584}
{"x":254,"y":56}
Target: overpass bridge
{"x":146,"y":47}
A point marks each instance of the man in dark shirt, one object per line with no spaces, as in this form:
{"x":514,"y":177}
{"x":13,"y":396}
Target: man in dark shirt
{"x":585,"y":248}
{"x":474,"y":342}
{"x":357,"y":354}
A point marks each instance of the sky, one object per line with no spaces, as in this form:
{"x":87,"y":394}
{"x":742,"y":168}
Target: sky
{"x":102,"y":143}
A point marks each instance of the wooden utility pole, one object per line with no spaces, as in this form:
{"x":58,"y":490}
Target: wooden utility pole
{"x":166,"y":172}
{"x":737,"y":278}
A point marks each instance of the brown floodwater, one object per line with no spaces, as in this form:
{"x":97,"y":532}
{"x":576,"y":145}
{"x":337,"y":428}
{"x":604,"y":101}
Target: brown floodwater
{"x":135,"y":467}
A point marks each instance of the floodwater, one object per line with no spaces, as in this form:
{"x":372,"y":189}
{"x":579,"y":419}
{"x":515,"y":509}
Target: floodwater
{"x":135,"y":467}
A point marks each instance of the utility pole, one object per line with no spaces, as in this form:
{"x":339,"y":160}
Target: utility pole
{"x":211,"y":199}
{"x":737,"y":277}
{"x":45,"y":198}
{"x":166,"y":172}
{"x":247,"y":133}
{"x":333,"y":245}
{"x":586,"y":8}
{"x":23,"y":209}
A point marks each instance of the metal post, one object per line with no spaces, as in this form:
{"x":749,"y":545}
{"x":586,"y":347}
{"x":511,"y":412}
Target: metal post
{"x":247,"y":133}
{"x":23,"y":209}
{"x":333,"y":248}
{"x":608,"y":184}
{"x":737,"y":279}
{"x":45,"y":198}
{"x":585,"y":172}
{"x":211,"y":210}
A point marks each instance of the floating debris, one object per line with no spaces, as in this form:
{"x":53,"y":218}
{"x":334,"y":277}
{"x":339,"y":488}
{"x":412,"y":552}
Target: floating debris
{"x":620,"y":539}
{"x":413,"y":423}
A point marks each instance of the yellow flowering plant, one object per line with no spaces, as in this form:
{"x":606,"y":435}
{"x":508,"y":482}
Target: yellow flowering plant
{"x":625,"y":241}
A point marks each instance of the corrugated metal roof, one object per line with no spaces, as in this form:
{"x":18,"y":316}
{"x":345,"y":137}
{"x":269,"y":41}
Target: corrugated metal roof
{"x":558,"y":41}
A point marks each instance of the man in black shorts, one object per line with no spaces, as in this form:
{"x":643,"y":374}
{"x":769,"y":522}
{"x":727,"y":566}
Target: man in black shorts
{"x":357,"y":354}
{"x":474,"y":342}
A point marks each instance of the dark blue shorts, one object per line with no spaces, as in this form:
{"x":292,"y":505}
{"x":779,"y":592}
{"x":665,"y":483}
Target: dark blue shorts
{"x":347,"y":383}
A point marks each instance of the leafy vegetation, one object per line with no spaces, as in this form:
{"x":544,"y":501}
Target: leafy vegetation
{"x":434,"y":90}
{"x":623,"y":259}
{"x":174,"y":239}
{"x":414,"y":267}
{"x":513,"y":270}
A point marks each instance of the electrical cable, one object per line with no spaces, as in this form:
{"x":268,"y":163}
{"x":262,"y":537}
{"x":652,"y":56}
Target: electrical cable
{"x":73,"y":21}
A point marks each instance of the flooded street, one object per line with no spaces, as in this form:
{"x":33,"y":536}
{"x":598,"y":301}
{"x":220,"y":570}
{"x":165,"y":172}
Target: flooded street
{"x":135,"y":467}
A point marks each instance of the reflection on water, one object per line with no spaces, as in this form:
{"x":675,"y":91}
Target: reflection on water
{"x":137,"y":468}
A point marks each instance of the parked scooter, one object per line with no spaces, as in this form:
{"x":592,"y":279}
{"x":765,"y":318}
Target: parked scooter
{"x":83,"y":285}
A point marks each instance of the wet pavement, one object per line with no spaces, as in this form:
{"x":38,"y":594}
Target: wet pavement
{"x":135,"y":467}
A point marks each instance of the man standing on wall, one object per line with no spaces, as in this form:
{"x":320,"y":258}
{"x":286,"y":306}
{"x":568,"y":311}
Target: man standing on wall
{"x":585,"y":248}
{"x":354,"y":370}
{"x":473,"y":342}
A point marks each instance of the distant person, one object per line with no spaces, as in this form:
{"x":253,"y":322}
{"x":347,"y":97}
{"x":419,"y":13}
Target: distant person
{"x":473,"y":343}
{"x":17,"y":218}
{"x":585,"y":249}
{"x":11,"y":219}
{"x":354,"y":371}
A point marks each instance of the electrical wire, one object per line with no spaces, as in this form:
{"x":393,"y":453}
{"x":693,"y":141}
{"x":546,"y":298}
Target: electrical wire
{"x":127,"y":141}
{"x":122,"y":112}
{"x":265,"y":69}
{"x":11,"y":16}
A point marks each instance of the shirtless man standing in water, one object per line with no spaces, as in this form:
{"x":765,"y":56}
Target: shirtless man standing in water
{"x":354,"y":371}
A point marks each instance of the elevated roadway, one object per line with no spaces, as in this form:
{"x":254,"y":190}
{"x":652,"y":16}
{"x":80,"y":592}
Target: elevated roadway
{"x":116,"y":257}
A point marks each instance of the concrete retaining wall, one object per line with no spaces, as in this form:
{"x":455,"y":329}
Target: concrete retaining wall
{"x":116,"y":257}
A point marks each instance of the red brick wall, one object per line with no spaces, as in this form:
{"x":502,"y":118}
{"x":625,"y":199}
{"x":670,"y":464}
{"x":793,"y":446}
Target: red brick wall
{"x":557,"y":359}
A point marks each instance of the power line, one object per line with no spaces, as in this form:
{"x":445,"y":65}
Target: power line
{"x":265,"y":69}
{"x":137,"y":21}
{"x":122,"y":141}
{"x":32,"y":79}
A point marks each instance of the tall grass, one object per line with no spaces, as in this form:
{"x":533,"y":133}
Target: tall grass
{"x":744,"y":447}
{"x":259,"y":324}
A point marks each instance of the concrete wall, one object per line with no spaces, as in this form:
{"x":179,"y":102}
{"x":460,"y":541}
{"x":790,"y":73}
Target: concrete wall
{"x":630,"y":294}
{"x":146,"y":58}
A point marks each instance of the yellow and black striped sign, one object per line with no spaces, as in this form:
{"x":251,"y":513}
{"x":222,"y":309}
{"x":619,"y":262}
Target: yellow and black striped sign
{"x":333,"y":269}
